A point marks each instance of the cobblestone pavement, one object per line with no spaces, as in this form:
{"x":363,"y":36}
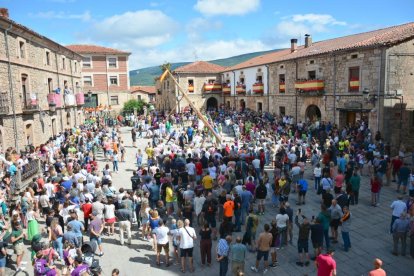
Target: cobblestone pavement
{"x":369,"y":237}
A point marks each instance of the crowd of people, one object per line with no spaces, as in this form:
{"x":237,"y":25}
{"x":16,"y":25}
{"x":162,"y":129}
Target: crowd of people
{"x":190,"y":187}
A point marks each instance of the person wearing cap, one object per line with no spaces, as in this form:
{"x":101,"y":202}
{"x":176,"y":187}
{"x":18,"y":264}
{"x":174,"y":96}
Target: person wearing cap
{"x":325,"y":264}
{"x":377,"y":271}
{"x":96,"y":227}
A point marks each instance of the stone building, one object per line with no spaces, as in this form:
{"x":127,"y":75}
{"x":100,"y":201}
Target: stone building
{"x":105,"y":76}
{"x":145,"y":93}
{"x":40,"y":87}
{"x":202,"y":82}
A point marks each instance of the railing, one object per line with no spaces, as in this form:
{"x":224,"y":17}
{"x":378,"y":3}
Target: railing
{"x":258,"y":88}
{"x":212,"y":87}
{"x":70,"y":100}
{"x":241,"y":89}
{"x":23,"y":177}
{"x":310,"y":87}
{"x":31,"y":104}
{"x":56,"y":99}
{"x":80,"y":99}
{"x":226,"y":89}
{"x":282,"y":87}
{"x":4,"y":103}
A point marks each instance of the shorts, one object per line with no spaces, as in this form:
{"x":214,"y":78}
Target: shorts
{"x":303,"y":246}
{"x":262,"y":254}
{"x":97,"y":239}
{"x":317,"y":244}
{"x":45,"y":210}
{"x":403,"y":182}
{"x":19,"y":249}
{"x":211,"y":221}
{"x":165,"y":246}
{"x":237,"y":267}
{"x":111,"y":220}
{"x":302,"y":193}
{"x":334,"y":223}
{"x":261,"y":201}
{"x":3,"y":262}
{"x":186,"y":252}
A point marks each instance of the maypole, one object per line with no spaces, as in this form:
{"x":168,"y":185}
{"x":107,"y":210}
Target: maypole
{"x":199,"y":115}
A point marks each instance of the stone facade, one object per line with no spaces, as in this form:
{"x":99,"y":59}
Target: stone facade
{"x":38,"y":68}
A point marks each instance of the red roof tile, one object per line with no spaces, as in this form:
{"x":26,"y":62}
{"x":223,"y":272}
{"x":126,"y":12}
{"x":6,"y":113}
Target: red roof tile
{"x":95,"y":49}
{"x":260,"y":60}
{"x":200,"y":67}
{"x":143,"y":89}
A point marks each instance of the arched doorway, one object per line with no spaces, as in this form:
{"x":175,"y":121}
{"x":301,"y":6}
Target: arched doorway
{"x":29,"y":134}
{"x":313,"y":113}
{"x":242,"y":104}
{"x":212,"y":104}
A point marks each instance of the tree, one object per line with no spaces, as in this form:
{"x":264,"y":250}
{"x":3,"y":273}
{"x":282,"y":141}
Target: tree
{"x":165,"y":66}
{"x":130,"y":105}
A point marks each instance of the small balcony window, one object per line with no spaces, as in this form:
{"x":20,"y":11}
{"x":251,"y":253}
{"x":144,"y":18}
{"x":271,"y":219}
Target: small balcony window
{"x":114,"y":100}
{"x":113,"y":80}
{"x":48,"y":58}
{"x":311,"y":75}
{"x":86,"y":62}
{"x":112,"y":62}
{"x":22,"y":49}
{"x":87,"y":80}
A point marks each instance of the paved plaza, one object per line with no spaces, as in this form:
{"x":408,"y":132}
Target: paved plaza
{"x":369,"y":237}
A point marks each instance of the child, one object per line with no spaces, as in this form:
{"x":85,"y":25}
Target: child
{"x":42,"y":267}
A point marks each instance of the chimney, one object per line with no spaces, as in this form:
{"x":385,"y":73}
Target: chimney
{"x":4,"y":12}
{"x":293,"y":45}
{"x":308,"y":40}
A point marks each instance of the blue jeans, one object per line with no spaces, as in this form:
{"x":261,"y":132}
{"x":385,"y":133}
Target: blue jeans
{"x":115,"y":163}
{"x":393,"y":219}
{"x":237,"y":214}
{"x":275,"y":199}
{"x":317,"y":182}
{"x":58,"y":246}
{"x":346,"y":239}
{"x":224,"y":266}
{"x":326,"y":236}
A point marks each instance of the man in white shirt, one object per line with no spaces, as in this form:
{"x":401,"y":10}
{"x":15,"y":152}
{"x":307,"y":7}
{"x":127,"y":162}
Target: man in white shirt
{"x":161,"y":234}
{"x":398,"y":207}
{"x":198,"y":206}
{"x":281,"y":223}
{"x":191,"y":172}
{"x":49,"y":189}
{"x":186,"y":236}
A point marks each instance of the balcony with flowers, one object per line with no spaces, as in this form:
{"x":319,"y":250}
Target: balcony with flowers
{"x":80,"y":98}
{"x":227,"y":89}
{"x":258,"y":88}
{"x":190,"y":88}
{"x":354,"y":85}
{"x":282,"y":87}
{"x":312,"y":87}
{"x":240,"y":89}
{"x":212,"y":87}
{"x":54,"y":100}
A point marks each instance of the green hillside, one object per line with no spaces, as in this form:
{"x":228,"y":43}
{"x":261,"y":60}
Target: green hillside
{"x":146,"y":76}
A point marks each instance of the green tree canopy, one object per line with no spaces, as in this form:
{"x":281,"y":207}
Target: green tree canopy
{"x":131,"y":104}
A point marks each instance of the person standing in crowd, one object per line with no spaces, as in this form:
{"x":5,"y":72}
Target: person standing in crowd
{"x":205,"y":244}
{"x":124,"y":217}
{"x":400,"y":229}
{"x":303,"y":239}
{"x":238,"y":256}
{"x":355,"y":182}
{"x":17,"y":237}
{"x":325,"y":264}
{"x":223,"y":251}
{"x":398,"y":207}
{"x":336,"y":215}
{"x":264,"y":242}
{"x":96,"y":228}
{"x":186,"y":236}
{"x":345,"y":228}
{"x":161,"y":234}
{"x":377,"y":271}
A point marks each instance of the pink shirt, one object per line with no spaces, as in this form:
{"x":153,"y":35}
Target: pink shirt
{"x":326,"y":265}
{"x":339,"y":180}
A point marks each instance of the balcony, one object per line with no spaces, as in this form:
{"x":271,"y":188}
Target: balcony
{"x":258,"y":88}
{"x":80,"y":99}
{"x":30,"y":104}
{"x":190,"y":88}
{"x":226,"y":89}
{"x":54,"y":99}
{"x":354,"y":85}
{"x":310,"y":87}
{"x":282,"y":87}
{"x":212,"y":88}
{"x":241,"y":89}
{"x":70,"y":100}
{"x":4,"y":103}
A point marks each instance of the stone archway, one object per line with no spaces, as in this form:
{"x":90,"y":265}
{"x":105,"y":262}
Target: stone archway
{"x":212,"y":104}
{"x":242,"y":104}
{"x":313,"y":113}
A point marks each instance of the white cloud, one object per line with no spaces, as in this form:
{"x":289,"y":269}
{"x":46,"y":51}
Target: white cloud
{"x":198,"y":27}
{"x":320,"y":19}
{"x":226,"y":7}
{"x":144,"y":28}
{"x":85,"y":16}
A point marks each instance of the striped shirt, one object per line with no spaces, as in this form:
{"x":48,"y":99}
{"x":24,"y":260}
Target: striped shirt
{"x":223,"y":248}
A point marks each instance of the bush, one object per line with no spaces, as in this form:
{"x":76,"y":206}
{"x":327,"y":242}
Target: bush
{"x":131,"y":104}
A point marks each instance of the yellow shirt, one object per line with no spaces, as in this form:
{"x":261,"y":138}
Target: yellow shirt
{"x":150,"y":152}
{"x":169,"y":195}
{"x":207,"y":182}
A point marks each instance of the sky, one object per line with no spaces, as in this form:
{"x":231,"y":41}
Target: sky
{"x":160,"y":31}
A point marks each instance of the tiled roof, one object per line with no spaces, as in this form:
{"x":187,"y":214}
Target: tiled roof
{"x":382,"y":37}
{"x":95,"y":49}
{"x":143,"y":89}
{"x":200,"y":67}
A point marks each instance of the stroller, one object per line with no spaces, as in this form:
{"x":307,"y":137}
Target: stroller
{"x":88,"y":250}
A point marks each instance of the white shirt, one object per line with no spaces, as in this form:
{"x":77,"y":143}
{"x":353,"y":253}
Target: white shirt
{"x":317,"y":172}
{"x":256,"y":163}
{"x":198,"y":204}
{"x":162,"y":234}
{"x":190,"y":168}
{"x":281,"y":220}
{"x":398,"y":207}
{"x":186,"y":240}
{"x":49,"y":189}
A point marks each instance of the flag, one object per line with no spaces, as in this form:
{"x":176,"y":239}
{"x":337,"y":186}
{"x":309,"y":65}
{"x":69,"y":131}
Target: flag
{"x":163,"y":75}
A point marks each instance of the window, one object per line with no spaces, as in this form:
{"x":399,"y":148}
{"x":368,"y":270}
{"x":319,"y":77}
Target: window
{"x":63,"y":63}
{"x":87,"y":80}
{"x":65,"y":84}
{"x":139,"y":97}
{"x":47,"y":58}
{"x":311,"y":61}
{"x":114,"y":100}
{"x":86,"y":62}
{"x":259,"y":79}
{"x":282,"y":85}
{"x":112,"y":62}
{"x":22,"y":50}
{"x":113,"y":80}
{"x":191,"y":86}
{"x":211,"y":81}
{"x":353,"y":79}
{"x":311,"y":75}
{"x":76,"y":67}
{"x":50,"y":85}
{"x":241,"y":80}
{"x":282,"y":111}
{"x":354,"y":56}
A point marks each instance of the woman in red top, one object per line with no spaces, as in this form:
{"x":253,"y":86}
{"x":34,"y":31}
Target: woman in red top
{"x":375,"y":189}
{"x":199,"y":170}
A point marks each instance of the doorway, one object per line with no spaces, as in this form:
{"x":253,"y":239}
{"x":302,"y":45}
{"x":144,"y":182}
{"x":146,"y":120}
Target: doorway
{"x":212,"y":104}
{"x":242,"y":105}
{"x":313,"y":113}
{"x":259,"y":107}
